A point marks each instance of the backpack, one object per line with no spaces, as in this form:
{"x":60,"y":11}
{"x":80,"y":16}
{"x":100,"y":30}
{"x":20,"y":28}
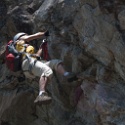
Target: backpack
{"x":45,"y":54}
{"x":13,"y":59}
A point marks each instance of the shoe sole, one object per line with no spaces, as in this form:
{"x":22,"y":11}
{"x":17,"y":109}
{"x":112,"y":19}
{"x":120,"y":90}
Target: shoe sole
{"x":45,"y":102}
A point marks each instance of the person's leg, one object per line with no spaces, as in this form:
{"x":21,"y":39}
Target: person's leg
{"x":42,"y":84}
{"x":45,"y":74}
{"x":60,"y":69}
{"x":41,"y":70}
{"x":70,"y":76}
{"x":57,"y":65}
{"x":43,"y":95}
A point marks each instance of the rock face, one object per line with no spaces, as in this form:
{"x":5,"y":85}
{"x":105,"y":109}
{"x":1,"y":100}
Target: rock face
{"x":88,"y":35}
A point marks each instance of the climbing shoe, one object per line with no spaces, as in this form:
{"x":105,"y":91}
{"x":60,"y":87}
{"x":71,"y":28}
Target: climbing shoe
{"x":71,"y":77}
{"x":43,"y":99}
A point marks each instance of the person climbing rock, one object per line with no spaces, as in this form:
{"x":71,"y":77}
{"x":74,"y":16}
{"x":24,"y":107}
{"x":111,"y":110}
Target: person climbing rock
{"x":32,"y":66}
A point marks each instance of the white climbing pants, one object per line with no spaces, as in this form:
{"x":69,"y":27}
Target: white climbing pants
{"x":33,"y":68}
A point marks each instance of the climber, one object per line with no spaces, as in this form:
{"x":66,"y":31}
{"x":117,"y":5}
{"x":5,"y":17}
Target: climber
{"x":32,"y":66}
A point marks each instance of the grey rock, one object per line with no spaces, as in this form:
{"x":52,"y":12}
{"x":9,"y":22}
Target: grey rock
{"x":88,"y":35}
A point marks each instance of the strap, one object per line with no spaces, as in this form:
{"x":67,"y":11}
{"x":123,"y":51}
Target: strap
{"x":25,"y":45}
{"x":12,"y":49}
{"x":30,"y":66}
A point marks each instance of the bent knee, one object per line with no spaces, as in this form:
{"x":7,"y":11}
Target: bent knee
{"x":48,"y":73}
{"x":55,"y":63}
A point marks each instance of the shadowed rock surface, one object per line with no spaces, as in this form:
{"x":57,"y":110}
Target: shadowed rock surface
{"x":89,"y":36}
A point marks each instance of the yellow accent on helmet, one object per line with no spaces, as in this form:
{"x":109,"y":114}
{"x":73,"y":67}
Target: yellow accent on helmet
{"x":30,"y":49}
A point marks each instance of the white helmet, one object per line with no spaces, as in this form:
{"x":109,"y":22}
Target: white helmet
{"x":18,"y":35}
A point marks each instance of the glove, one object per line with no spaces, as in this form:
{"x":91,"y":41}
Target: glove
{"x":46,"y":33}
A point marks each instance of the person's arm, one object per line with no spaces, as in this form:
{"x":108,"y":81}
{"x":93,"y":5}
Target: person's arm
{"x":28,"y":38}
{"x":39,"y":52}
